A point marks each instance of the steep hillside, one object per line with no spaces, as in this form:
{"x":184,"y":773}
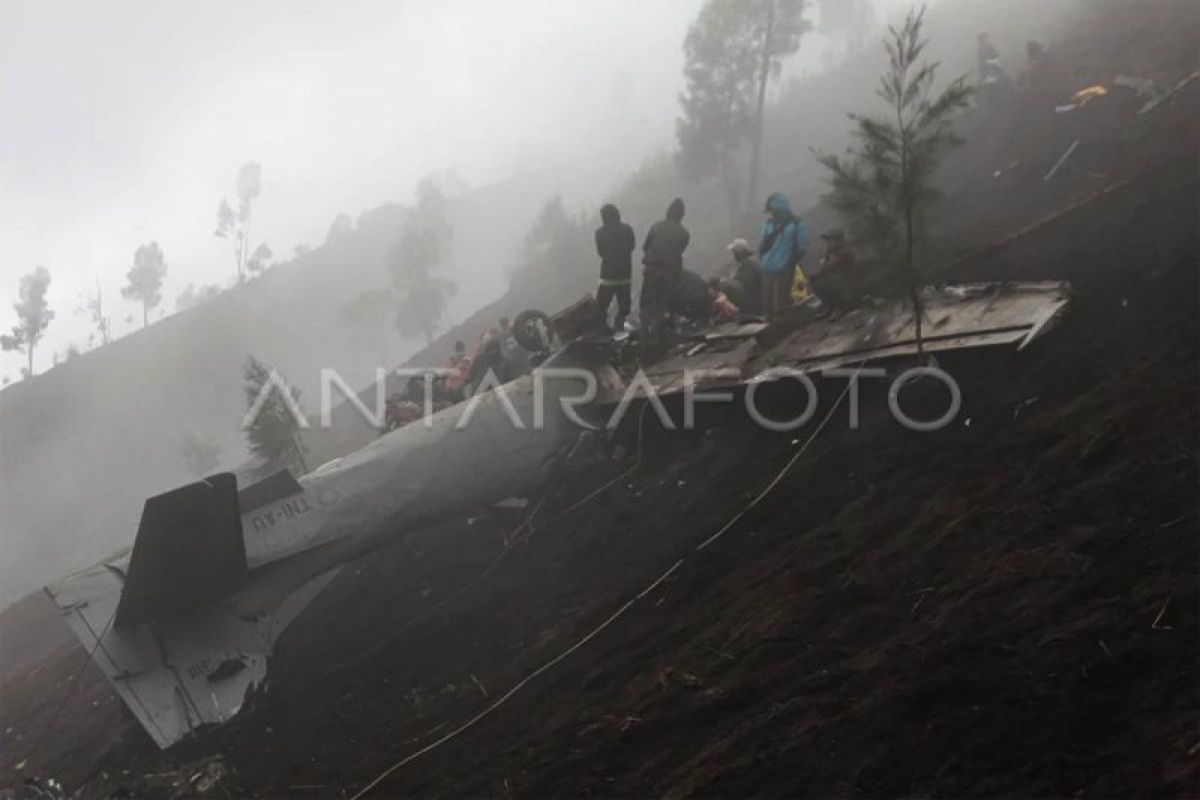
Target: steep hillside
{"x":1007,"y":606}
{"x":85,"y":443}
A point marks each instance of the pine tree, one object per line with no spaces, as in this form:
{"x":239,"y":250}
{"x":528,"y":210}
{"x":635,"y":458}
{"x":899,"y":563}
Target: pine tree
{"x":235,"y":225}
{"x":272,"y":424}
{"x":884,"y":184}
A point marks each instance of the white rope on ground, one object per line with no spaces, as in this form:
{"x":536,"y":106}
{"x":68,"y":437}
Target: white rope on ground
{"x":786,"y":467}
{"x":637,"y":463}
{"x":75,"y":684}
{"x":520,"y":685}
{"x":487,"y":711}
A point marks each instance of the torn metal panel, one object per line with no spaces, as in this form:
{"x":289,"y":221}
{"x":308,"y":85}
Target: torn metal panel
{"x":956,"y":317}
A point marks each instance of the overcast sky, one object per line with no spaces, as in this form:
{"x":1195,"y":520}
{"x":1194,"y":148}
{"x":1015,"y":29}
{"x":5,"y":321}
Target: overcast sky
{"x":125,"y":121}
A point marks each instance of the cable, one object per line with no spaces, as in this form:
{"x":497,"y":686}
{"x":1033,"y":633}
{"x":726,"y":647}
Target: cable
{"x":520,"y":685}
{"x":786,"y":467}
{"x":637,"y":463}
{"x":74,"y":688}
{"x":791,"y":462}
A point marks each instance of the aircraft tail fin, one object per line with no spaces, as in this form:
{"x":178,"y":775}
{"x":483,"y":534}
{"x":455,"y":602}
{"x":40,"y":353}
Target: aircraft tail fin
{"x":189,"y":549}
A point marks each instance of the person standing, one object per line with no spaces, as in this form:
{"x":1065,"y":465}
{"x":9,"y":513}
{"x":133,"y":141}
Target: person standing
{"x":663,"y":259}
{"x":615,"y":243}
{"x":784,"y":243}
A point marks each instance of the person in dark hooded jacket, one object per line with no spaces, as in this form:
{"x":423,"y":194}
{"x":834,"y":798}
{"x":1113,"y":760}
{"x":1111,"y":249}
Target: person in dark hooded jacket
{"x":615,"y":243}
{"x":663,"y":259}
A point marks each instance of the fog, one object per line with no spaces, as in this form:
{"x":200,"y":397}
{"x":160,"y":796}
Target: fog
{"x":127,"y":122}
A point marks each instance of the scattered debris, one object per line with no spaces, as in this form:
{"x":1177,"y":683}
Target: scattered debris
{"x":1081,"y":98}
{"x":1011,"y":166}
{"x":1155,"y":625}
{"x":1058,"y":164}
{"x":1142,"y":87}
{"x":480,"y":685}
{"x":1024,"y":404}
{"x":188,"y":780}
{"x":1165,"y":96}
{"x":669,"y":676}
{"x":35,"y":789}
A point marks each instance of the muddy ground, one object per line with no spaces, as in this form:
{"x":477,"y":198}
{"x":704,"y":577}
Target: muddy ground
{"x":1007,"y":606}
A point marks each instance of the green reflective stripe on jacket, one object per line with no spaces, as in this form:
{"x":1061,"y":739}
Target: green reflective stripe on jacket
{"x":616,"y":281}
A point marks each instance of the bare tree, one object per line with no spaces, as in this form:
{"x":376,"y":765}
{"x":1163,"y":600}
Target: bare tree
{"x":780,"y":24}
{"x":235,"y":225}
{"x":885,"y":183}
{"x":93,"y":306}
{"x":33,"y":315}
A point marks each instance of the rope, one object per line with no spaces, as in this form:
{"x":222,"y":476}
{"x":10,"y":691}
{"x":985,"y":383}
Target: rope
{"x":489,"y":709}
{"x":37,"y":744}
{"x":637,"y":463}
{"x":520,"y":685}
{"x":786,"y":467}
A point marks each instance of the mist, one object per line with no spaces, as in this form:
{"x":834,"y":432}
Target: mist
{"x":129,"y":123}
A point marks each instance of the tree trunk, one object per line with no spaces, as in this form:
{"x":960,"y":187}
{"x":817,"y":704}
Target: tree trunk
{"x":145,"y":315}
{"x":730,"y":183}
{"x":764,"y":74}
{"x":908,"y":201}
{"x":913,"y":290}
{"x":29,"y":347}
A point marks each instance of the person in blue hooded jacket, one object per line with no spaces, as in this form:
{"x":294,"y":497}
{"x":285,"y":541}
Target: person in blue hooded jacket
{"x":784,"y":243}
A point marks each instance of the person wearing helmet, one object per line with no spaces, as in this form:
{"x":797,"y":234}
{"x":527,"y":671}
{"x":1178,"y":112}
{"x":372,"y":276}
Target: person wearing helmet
{"x":784,"y":244}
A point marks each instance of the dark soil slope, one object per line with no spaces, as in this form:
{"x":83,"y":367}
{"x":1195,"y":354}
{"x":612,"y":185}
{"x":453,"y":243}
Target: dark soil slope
{"x":1006,"y":607}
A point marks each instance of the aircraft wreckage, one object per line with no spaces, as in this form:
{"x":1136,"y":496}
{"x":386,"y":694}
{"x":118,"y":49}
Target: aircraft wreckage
{"x":182,"y":624}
